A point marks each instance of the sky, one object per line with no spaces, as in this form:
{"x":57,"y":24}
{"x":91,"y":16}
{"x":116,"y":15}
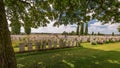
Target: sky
{"x":94,"y":26}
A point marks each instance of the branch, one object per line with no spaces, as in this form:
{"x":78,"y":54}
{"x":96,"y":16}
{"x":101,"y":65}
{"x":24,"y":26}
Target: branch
{"x":25,"y":2}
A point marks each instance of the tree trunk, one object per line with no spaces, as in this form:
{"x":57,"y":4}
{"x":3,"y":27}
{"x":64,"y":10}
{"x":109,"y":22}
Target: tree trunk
{"x":78,"y":29}
{"x":82,"y":29}
{"x":7,"y":56}
{"x":86,"y":29}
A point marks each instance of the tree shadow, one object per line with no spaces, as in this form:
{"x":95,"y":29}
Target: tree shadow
{"x":73,"y":58}
{"x":97,"y":59}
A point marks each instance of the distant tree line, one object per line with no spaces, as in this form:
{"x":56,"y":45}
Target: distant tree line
{"x":93,"y":33}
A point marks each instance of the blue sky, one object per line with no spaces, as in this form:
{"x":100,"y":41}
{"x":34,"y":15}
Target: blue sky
{"x":94,"y":26}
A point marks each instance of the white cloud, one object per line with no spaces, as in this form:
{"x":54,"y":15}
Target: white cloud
{"x":96,"y":27}
{"x":106,"y":28}
{"x":51,"y":29}
{"x":96,"y":24}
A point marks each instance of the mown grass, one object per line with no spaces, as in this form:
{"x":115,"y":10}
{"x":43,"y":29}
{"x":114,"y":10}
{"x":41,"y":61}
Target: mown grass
{"x":105,"y":47}
{"x":87,"y":56}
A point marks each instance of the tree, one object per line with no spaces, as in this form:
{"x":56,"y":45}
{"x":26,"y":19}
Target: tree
{"x":99,"y":33}
{"x":71,"y":12}
{"x":15,"y":24}
{"x":92,"y":33}
{"x":22,"y":12}
{"x":64,"y":33}
{"x":113,"y":34}
{"x":27,"y":24}
{"x":27,"y":29}
{"x":7,"y":56}
{"x":82,"y":11}
{"x":118,"y":29}
{"x":78,"y":29}
{"x":15,"y":28}
{"x":107,"y":11}
{"x":72,"y":33}
{"x":82,"y":29}
{"x":86,"y":29}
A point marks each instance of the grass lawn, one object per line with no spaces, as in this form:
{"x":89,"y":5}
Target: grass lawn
{"x":87,"y":56}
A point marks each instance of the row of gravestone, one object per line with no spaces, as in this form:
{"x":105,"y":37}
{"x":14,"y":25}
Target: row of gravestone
{"x":22,"y":38}
{"x":82,"y":38}
{"x":48,"y":44}
{"x":53,"y":43}
{"x":102,"y":40}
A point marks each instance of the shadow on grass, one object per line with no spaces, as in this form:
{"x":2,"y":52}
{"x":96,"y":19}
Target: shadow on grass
{"x":69,"y":58}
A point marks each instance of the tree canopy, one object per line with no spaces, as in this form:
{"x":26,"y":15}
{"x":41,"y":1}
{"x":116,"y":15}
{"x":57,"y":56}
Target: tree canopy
{"x":36,"y":13}
{"x":118,"y":29}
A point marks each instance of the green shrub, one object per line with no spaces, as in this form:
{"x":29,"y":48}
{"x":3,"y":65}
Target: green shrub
{"x":113,"y":34}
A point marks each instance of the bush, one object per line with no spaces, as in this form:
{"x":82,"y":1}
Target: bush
{"x":113,"y":34}
{"x":64,"y":33}
{"x":92,"y":33}
{"x":99,"y":33}
{"x":72,"y":33}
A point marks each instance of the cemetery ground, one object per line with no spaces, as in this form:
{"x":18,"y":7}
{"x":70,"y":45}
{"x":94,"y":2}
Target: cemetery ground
{"x":86,"y":56}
